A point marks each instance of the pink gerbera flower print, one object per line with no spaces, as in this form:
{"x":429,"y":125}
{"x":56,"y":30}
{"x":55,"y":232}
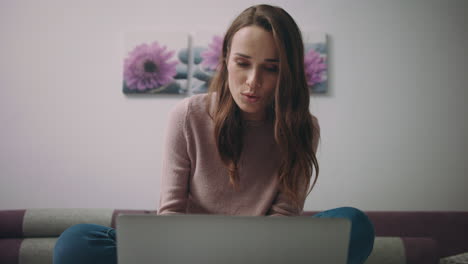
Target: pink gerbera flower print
{"x":148,"y":66}
{"x":314,"y":67}
{"x":211,"y":55}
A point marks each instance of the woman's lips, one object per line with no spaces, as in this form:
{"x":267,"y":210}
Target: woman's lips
{"x":251,"y":98}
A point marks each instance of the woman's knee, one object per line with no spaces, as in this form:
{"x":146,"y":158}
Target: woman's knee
{"x":360,"y":222}
{"x":362,"y":231}
{"x":86,"y":243}
{"x":356,"y":216}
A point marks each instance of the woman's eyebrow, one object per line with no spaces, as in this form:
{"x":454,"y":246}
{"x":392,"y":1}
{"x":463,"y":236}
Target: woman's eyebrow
{"x":243,"y":55}
{"x":248,"y":57}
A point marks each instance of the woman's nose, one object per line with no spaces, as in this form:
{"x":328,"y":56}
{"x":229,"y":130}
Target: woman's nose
{"x":254,"y":79}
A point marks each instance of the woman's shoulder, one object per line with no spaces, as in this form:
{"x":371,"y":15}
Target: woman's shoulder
{"x":191,"y":108}
{"x":315,"y":122}
{"x":198,"y":102}
{"x":191,"y":103}
{"x":316,"y":126}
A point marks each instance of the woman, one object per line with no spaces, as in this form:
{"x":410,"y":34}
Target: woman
{"x":248,"y":147}
{"x":252,"y":134}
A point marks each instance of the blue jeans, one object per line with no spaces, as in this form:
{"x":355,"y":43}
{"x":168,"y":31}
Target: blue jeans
{"x":89,"y":243}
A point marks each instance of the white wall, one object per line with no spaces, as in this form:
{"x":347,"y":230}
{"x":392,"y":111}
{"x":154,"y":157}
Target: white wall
{"x":394,"y":125}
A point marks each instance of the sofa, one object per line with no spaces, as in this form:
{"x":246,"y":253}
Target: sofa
{"x":28,"y":236}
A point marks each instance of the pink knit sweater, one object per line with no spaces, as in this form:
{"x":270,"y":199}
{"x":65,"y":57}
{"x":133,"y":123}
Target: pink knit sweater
{"x":195,"y":181}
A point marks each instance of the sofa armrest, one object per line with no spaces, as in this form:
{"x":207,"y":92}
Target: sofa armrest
{"x":48,"y":222}
{"x":52,"y":222}
{"x":404,"y":250}
{"x":421,"y":250}
{"x":11,"y":223}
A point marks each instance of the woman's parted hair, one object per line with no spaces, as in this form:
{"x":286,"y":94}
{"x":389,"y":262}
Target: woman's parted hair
{"x":294,"y":127}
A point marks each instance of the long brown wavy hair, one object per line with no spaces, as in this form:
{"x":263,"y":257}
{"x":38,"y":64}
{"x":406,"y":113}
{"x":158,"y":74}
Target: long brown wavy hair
{"x":294,"y":129}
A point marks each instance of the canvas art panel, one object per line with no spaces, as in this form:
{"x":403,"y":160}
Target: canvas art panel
{"x":315,"y":61}
{"x":156,"y":63}
{"x":207,"y":50}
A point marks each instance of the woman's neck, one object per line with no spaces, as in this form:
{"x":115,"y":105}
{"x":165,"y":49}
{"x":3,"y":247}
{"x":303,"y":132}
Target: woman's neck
{"x":254,"y":116}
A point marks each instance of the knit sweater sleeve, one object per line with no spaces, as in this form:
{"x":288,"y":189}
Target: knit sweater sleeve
{"x":176,"y":163}
{"x":282,"y":206}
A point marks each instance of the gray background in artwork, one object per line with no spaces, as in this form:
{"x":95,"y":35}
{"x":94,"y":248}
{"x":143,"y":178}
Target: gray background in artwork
{"x":394,"y":125}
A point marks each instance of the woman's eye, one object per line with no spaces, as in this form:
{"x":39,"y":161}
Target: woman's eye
{"x":271,"y":68}
{"x":242,"y":64}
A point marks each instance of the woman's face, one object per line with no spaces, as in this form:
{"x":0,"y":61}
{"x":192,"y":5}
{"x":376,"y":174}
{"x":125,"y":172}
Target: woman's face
{"x":253,"y":66}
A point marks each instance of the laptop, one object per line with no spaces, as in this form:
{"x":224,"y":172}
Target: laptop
{"x":217,"y":239}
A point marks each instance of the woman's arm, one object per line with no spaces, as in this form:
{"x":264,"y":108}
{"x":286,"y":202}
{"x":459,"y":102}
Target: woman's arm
{"x":282,"y":205}
{"x":176,"y":163}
